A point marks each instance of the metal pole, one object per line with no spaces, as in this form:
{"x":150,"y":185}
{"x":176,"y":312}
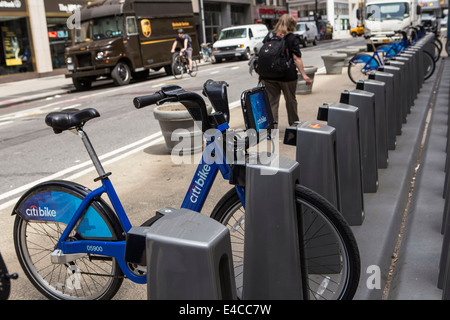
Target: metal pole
{"x":202,"y":16}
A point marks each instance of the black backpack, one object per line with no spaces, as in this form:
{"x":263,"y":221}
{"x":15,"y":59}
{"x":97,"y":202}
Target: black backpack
{"x":273,"y":58}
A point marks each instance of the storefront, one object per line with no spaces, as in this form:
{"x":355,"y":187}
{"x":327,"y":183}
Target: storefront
{"x":15,"y":41}
{"x":220,"y":14}
{"x":269,"y":16}
{"x":57,"y":12}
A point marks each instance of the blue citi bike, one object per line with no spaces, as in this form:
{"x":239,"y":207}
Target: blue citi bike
{"x":71,"y":243}
{"x":364,"y":63}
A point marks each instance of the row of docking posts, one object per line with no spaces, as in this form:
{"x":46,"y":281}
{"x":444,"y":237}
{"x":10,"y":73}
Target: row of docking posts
{"x":444,"y":265}
{"x":340,"y":159}
{"x":188,"y":255}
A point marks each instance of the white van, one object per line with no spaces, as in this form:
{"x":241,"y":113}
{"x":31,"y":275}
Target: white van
{"x":307,"y":32}
{"x":239,"y":41}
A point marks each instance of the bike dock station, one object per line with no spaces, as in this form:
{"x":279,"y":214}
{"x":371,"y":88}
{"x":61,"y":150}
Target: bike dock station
{"x":363,"y":155}
{"x":407,"y":121}
{"x":402,"y":123}
{"x":188,"y":255}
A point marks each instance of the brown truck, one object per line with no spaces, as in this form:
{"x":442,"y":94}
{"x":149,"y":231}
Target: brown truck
{"x":124,"y":39}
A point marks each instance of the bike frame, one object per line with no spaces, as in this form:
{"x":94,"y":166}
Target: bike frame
{"x":371,"y":66}
{"x":194,"y":200}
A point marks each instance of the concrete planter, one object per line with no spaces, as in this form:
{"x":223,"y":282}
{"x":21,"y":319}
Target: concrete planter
{"x":302,"y":88}
{"x":350,"y":52}
{"x":334,"y":62}
{"x":359,"y":48}
{"x":174,"y":116}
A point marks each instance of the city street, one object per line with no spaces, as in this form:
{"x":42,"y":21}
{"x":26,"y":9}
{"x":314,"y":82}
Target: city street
{"x":37,"y":153}
{"x":31,"y":152}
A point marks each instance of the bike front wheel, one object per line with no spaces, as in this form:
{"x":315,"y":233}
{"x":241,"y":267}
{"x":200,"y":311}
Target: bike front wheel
{"x":429,"y":64}
{"x":332,"y":255}
{"x":360,"y":66}
{"x":177,"y":67}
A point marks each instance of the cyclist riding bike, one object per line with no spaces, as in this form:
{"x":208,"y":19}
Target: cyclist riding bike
{"x":186,"y":47}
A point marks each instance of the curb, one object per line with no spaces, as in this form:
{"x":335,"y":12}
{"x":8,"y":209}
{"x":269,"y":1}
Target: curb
{"x":377,"y":236}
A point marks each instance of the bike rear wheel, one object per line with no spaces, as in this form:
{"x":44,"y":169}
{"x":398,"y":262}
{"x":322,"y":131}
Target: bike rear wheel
{"x":360,"y":66}
{"x":447,"y":47}
{"x":333,"y":271}
{"x":86,"y":276}
{"x":429,"y":64}
{"x":433,"y":49}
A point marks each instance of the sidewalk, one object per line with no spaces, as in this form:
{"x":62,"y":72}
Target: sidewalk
{"x":163,"y":184}
{"x":28,"y":90}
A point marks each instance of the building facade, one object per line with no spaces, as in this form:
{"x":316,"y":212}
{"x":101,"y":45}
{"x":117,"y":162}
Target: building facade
{"x":340,"y":13}
{"x":34,"y":33}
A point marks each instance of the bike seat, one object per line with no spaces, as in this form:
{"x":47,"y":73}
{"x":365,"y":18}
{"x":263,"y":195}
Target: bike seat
{"x":70,"y":118}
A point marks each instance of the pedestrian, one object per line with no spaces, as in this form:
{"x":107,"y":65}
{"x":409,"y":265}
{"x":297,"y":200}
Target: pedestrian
{"x":287,"y":83}
{"x":186,"y":46}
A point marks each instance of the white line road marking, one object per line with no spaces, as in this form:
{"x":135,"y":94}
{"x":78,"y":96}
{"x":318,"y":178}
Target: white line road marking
{"x":6,"y":122}
{"x":135,"y":146}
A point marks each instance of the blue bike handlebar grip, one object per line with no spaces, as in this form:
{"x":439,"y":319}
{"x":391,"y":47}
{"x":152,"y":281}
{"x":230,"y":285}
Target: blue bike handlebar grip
{"x":144,"y":101}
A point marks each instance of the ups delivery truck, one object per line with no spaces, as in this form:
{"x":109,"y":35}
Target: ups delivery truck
{"x":124,"y":39}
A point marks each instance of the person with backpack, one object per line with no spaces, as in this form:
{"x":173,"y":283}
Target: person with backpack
{"x":186,"y":46}
{"x":277,"y":64}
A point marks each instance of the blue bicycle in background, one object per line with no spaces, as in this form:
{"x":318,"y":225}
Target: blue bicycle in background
{"x":71,"y":243}
{"x":364,"y":63}
{"x":206,"y":52}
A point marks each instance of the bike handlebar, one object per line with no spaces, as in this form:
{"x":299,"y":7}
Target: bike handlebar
{"x":195,"y":105}
{"x":144,"y":101}
{"x":193,"y":102}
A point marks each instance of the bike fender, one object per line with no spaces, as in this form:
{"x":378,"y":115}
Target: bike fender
{"x":58,"y":200}
{"x":364,"y":58}
{"x":386,"y":49}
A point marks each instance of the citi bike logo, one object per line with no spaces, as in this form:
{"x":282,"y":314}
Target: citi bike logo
{"x":197,"y":186}
{"x":35,"y":211}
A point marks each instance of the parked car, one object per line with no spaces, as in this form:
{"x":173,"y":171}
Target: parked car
{"x":358,"y":31}
{"x":307,"y":32}
{"x":239,"y":41}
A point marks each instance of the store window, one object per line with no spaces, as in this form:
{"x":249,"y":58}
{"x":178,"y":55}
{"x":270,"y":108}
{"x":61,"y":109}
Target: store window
{"x":59,"y":37}
{"x":212,"y":21}
{"x":237,"y":15}
{"x":15,"y":51}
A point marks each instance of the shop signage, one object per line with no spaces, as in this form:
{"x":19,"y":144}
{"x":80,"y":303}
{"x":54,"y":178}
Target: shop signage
{"x":266,"y":13}
{"x":280,"y":13}
{"x":13,"y":5}
{"x":63,"y":6}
